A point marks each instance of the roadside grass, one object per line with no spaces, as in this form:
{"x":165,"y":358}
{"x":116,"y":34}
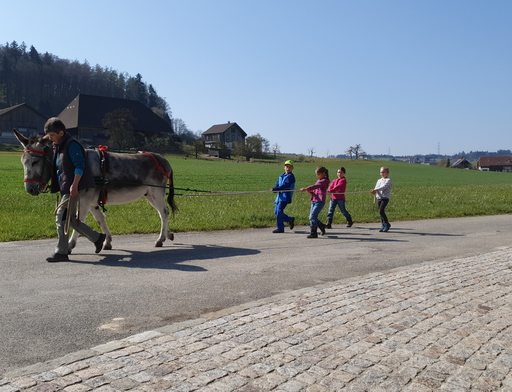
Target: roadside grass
{"x":419,"y":192}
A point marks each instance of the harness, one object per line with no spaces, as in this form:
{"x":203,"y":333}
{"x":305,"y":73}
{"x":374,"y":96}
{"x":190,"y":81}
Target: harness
{"x":104,"y":166}
{"x":45,"y":187}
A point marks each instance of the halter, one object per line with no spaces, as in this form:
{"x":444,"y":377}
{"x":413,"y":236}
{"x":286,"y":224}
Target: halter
{"x":43,"y":185}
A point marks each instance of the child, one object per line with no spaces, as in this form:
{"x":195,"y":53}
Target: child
{"x":337,"y":188}
{"x":285,"y":182}
{"x":383,"y":191}
{"x":318,"y":196}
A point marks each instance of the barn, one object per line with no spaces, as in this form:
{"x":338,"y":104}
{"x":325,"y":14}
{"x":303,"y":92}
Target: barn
{"x":83,"y":118}
{"x":24,"y":118}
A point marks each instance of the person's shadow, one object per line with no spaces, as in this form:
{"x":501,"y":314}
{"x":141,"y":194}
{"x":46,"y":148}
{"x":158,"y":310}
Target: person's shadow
{"x":165,"y":258}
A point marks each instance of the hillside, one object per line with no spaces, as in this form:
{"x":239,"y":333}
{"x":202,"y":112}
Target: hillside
{"x":48,"y":83}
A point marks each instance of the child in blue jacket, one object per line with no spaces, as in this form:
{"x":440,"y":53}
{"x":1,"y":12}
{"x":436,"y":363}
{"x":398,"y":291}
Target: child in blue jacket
{"x":284,"y":185}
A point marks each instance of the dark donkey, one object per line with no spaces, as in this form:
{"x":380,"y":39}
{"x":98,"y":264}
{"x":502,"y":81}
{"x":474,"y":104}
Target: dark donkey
{"x":129,"y":177}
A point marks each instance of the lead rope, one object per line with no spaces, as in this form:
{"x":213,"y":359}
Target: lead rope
{"x":67,"y":223}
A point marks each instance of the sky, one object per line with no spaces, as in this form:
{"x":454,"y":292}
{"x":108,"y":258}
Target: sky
{"x":399,"y":77}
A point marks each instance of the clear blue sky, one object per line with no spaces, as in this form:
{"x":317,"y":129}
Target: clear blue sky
{"x":405,"y":77}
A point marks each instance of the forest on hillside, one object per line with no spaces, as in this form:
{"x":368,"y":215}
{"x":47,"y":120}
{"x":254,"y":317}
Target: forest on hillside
{"x":48,"y":83}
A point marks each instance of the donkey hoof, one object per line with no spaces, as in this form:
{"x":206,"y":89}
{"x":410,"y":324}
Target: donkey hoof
{"x":170,"y":236}
{"x":107,"y":247}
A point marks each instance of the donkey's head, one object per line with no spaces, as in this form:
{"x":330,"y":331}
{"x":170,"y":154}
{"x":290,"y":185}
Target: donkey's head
{"x":37,"y":162}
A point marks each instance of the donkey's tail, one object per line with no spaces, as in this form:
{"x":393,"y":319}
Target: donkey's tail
{"x":170,"y":197}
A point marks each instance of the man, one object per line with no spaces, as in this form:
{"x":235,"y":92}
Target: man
{"x":72,"y":177}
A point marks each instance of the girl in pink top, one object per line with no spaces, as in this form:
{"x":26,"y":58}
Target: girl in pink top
{"x":318,"y":195}
{"x":337,"y":188}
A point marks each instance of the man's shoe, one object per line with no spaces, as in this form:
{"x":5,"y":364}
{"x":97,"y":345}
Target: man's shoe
{"x":292,"y":223}
{"x":350,"y":223}
{"x":99,"y":243}
{"x":57,"y":257}
{"x":278,"y":231}
{"x":386,"y":227}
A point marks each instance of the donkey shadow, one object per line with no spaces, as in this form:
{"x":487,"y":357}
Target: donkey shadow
{"x":165,"y":258}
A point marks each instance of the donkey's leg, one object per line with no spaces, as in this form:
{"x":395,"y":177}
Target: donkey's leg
{"x":85,"y":203}
{"x":156,"y":198}
{"x":98,"y":214}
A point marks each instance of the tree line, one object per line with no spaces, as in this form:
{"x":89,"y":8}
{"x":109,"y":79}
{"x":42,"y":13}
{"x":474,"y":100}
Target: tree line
{"x":48,"y":83}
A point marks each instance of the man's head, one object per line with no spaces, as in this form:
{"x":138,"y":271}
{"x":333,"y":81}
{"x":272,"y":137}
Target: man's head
{"x":55,"y":129}
{"x":288,"y":166}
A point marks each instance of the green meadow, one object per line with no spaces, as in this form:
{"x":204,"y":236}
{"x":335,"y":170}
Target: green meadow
{"x":419,"y":192}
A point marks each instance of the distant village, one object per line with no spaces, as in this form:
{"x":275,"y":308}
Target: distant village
{"x":500,"y":161}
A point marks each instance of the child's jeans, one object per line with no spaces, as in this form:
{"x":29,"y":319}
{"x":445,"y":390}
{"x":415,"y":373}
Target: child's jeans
{"x":341,"y":204}
{"x":316,"y":207}
{"x":281,"y":217}
{"x":382,"y":204}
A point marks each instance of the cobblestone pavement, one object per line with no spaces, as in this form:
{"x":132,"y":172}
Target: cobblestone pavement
{"x":442,"y":326}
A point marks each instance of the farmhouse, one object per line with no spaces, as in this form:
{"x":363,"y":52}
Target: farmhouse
{"x":221,"y":135}
{"x":83,"y":118}
{"x":462,"y":163}
{"x":24,"y":118}
{"x":500,"y":163}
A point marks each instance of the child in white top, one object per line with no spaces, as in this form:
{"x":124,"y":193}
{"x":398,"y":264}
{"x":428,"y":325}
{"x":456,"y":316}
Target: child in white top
{"x":383,"y":191}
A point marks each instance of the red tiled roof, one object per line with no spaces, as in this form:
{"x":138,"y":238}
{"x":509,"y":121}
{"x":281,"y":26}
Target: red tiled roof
{"x":498,"y":160}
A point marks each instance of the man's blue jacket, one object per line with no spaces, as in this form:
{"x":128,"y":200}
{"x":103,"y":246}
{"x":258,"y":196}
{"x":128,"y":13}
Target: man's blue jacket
{"x":285,"y":182}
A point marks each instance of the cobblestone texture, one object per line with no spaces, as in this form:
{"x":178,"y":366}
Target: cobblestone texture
{"x":438,"y":327}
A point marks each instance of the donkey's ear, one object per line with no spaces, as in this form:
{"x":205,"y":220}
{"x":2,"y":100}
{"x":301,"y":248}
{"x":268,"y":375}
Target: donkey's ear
{"x":22,"y":139}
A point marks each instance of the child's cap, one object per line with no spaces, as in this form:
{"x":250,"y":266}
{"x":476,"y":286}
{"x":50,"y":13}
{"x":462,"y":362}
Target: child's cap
{"x":288,"y":162}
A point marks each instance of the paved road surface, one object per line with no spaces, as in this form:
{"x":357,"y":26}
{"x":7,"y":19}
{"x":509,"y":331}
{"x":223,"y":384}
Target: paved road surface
{"x":50,"y":310}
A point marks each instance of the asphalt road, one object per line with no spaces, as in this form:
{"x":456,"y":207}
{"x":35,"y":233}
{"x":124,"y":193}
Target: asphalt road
{"x":49,"y":310}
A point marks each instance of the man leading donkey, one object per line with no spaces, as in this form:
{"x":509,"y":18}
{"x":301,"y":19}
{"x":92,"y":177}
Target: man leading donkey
{"x":72,"y":176}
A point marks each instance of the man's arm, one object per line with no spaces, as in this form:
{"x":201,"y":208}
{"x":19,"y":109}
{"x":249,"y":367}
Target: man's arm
{"x":78,"y":159}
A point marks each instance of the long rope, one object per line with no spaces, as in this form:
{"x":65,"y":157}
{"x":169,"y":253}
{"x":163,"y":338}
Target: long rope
{"x":67,"y":223}
{"x":227,"y":193}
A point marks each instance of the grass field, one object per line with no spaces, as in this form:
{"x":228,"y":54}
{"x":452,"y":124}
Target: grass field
{"x":419,"y":192}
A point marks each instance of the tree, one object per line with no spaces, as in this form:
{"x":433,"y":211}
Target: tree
{"x":198,"y":146}
{"x":119,"y":128}
{"x":179,"y":126}
{"x":275,"y":149}
{"x":152,"y":97}
{"x":357,"y":151}
{"x":142,"y":90}
{"x":34,"y":56}
{"x":253,"y":146}
{"x":311,"y":151}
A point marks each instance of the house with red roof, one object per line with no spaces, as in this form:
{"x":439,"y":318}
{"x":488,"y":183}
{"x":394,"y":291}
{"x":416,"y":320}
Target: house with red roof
{"x":500,"y":163}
